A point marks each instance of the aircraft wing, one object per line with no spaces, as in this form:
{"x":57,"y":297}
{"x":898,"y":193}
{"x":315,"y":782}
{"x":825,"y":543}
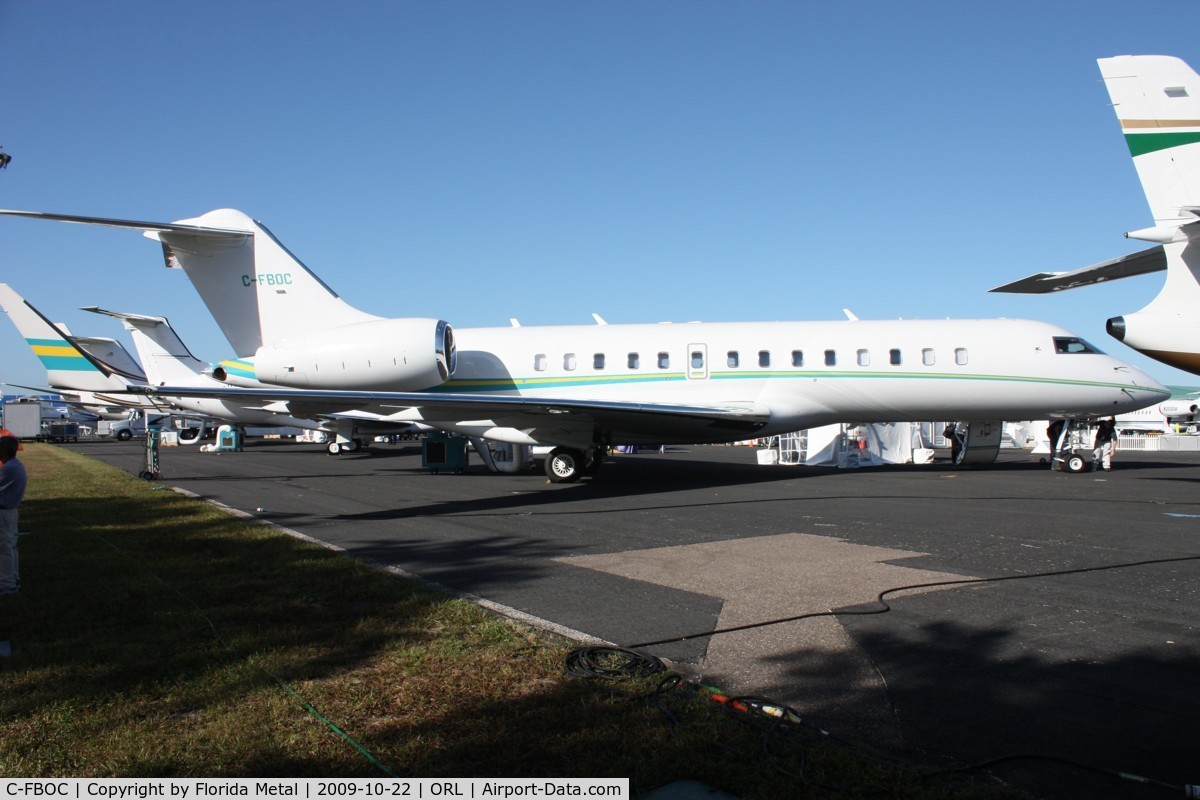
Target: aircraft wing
{"x":504,"y":410}
{"x":91,"y":402}
{"x":1139,"y":263}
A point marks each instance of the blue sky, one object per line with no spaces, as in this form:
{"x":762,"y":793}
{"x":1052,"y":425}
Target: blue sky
{"x":648,"y":161}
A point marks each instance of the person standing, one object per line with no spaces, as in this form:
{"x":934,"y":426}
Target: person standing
{"x":12,"y":492}
{"x":1105,"y":444}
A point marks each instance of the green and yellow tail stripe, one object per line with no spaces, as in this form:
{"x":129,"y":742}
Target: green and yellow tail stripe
{"x":57,"y":354}
{"x":1151,"y":135}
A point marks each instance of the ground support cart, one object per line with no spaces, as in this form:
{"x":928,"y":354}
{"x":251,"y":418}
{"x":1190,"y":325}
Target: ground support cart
{"x":150,"y":471}
{"x":443,"y":451}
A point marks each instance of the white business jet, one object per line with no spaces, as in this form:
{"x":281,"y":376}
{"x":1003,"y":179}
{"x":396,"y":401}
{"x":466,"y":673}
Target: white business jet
{"x":580,"y":389}
{"x":1157,"y":101}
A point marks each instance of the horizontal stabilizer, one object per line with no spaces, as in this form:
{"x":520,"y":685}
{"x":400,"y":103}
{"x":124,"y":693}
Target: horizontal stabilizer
{"x":157,"y":227}
{"x":110,"y":354}
{"x":42,"y":389}
{"x":1139,"y":263}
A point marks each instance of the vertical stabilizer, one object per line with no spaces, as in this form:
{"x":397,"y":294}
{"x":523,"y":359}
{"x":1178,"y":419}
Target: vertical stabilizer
{"x":1157,"y":101}
{"x":163,"y":354}
{"x":67,"y":365}
{"x":258,"y":292}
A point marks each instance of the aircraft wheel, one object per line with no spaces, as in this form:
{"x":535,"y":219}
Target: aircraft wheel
{"x":564,"y":465}
{"x":333,"y":448}
{"x":1074,"y":464}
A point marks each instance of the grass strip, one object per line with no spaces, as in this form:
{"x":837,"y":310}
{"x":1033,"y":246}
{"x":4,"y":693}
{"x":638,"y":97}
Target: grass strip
{"x":153,"y":633}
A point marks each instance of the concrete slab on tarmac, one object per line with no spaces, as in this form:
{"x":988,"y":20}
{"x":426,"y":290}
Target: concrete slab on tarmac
{"x":1100,"y":665}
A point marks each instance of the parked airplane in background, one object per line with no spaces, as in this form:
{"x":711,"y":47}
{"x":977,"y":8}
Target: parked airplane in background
{"x":1157,"y":100}
{"x":168,"y":362}
{"x":581,"y":389}
{"x":88,"y":372}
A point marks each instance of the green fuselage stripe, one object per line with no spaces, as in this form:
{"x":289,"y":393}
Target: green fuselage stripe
{"x":490,"y":386}
{"x":1142,"y":143}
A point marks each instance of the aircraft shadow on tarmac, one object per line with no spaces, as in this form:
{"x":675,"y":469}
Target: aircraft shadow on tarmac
{"x":642,"y":477}
{"x":630,"y":478}
{"x":961,"y":694}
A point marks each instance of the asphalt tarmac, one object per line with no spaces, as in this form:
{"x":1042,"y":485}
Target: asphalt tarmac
{"x":1098,"y":663}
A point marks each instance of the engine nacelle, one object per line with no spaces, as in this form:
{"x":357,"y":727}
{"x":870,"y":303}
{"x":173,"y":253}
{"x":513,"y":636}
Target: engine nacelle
{"x":393,"y":355}
{"x":1162,"y":335}
{"x":1178,"y":408}
{"x":235,"y":372}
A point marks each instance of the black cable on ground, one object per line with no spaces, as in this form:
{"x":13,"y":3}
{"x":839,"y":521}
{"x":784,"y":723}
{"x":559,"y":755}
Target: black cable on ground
{"x":611,"y":662}
{"x":884,"y":607}
{"x":620,"y":662}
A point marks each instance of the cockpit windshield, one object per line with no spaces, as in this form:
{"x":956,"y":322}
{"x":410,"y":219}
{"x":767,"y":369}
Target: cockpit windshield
{"x":1071,"y":345}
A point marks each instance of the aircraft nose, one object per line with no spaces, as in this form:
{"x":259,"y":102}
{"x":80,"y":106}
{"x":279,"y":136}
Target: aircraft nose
{"x":1116,"y":328}
{"x":1141,"y":382}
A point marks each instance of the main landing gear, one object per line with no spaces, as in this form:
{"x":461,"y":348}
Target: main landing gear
{"x":336,"y":448}
{"x":343,"y":439}
{"x":567,"y":464}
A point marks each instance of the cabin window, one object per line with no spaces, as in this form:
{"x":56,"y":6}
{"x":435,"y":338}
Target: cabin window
{"x":864,"y":358}
{"x":697,"y":359}
{"x":731,"y":359}
{"x":927,"y":357}
{"x":764,"y":358}
{"x":539,"y":362}
{"x":634,"y":361}
{"x":831,"y":358}
{"x":598,"y":361}
{"x":797,"y":358}
{"x":960,"y":356}
{"x":894,"y":357}
{"x":664,"y":360}
{"x":1064,"y":345}
{"x":569,"y":361}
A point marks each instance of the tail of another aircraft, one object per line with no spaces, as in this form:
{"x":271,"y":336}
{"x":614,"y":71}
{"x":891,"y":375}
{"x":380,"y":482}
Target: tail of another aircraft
{"x":164,"y":356}
{"x":1157,"y":101}
{"x":93,"y":365}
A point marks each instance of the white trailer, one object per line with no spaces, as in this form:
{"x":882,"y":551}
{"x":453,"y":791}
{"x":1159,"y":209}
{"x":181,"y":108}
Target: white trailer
{"x":23,"y":419}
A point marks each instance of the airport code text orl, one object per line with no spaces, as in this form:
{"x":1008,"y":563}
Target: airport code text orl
{"x":310,"y":788}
